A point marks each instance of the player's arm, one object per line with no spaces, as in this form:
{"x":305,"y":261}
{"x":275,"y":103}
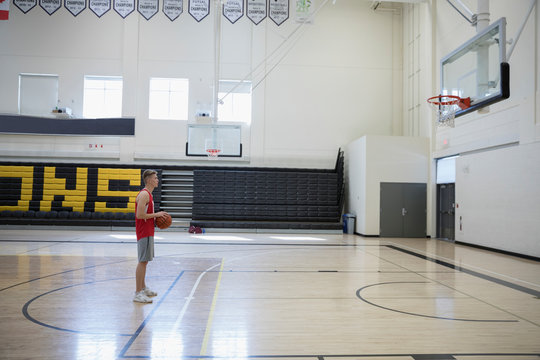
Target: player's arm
{"x":142,"y":201}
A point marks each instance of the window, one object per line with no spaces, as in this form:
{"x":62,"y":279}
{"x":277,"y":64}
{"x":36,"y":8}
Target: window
{"x":446,"y":170}
{"x":168,"y":99}
{"x":236,"y":96}
{"x":38,"y":94}
{"x":102,"y":96}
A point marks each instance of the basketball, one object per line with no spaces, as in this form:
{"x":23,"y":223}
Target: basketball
{"x":164,"y":221}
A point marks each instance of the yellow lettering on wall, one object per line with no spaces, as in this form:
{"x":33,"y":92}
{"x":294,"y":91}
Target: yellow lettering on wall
{"x":26,"y":174}
{"x":104,"y":178}
{"x":57,"y":186}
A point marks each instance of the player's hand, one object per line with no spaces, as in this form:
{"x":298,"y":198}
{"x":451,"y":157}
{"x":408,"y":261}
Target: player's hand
{"x":161,"y":213}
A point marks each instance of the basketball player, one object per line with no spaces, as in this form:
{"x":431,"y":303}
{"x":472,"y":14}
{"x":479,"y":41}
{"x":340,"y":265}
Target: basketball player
{"x":144,"y":227}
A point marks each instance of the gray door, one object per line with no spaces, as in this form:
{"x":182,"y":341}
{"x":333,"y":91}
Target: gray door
{"x":446,"y":219}
{"x":403,"y":210}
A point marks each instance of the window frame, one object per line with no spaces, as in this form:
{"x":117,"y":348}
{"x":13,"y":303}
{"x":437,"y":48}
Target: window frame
{"x":183,"y":116}
{"x":232,"y":87}
{"x":103,"y":78}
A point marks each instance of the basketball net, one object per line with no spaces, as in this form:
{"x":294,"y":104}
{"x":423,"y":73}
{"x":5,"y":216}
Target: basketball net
{"x":446,"y":107}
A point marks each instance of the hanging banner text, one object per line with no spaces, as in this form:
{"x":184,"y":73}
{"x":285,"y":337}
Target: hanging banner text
{"x":256,"y":10}
{"x":199,"y":9}
{"x":124,"y":7}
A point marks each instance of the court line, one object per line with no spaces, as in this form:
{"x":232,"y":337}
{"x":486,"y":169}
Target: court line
{"x":190,"y":243}
{"x":190,"y":297}
{"x":470,"y":272}
{"x":63,"y":272}
{"x":319,"y":357}
{"x":147,"y":319}
{"x":35,"y":321}
{"x":416,"y":314}
{"x":212,"y":310}
{"x":446,"y":285}
{"x":477,"y":267}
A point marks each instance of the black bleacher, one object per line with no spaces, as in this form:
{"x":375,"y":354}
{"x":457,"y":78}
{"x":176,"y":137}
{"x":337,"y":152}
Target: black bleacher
{"x":77,"y":199}
{"x":269,"y":198}
{"x":256,"y":198}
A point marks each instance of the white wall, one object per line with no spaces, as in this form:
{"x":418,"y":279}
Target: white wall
{"x":498,"y":199}
{"x":355,"y":184}
{"x":497,"y":174}
{"x":334,"y":85}
{"x":375,"y":159}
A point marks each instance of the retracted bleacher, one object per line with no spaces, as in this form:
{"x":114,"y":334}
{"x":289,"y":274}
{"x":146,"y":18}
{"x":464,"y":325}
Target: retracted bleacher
{"x":269,"y":198}
{"x":69,"y":194}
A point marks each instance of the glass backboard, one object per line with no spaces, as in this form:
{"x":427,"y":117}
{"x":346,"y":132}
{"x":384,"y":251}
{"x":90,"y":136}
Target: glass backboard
{"x":226,"y":138}
{"x":478,"y":69}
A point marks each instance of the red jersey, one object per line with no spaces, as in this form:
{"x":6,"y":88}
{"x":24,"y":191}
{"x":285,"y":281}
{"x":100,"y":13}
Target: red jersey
{"x":145,"y":227}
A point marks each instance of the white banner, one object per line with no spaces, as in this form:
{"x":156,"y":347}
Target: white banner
{"x":75,"y":6}
{"x":25,"y":5}
{"x":99,"y":7}
{"x":4,"y":9}
{"x":233,"y":10}
{"x":124,"y":7}
{"x":279,"y":11}
{"x":50,"y":6}
{"x":148,"y":8}
{"x":199,"y":9}
{"x":304,"y":10}
{"x":256,"y":10}
{"x":173,"y":8}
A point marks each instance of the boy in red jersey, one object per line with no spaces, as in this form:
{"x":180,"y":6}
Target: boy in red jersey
{"x":144,"y":228}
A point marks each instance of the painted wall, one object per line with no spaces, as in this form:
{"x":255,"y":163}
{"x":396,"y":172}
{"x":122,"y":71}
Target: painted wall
{"x":329,"y":83}
{"x":498,"y":199}
{"x":497,"y":173}
{"x":375,"y":159}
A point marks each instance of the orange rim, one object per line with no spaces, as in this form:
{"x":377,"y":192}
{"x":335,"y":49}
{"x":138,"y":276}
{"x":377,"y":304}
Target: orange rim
{"x":454,"y":100}
{"x":213,"y":152}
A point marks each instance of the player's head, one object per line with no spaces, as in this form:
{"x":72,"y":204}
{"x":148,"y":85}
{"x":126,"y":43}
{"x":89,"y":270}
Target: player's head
{"x":150,"y":175}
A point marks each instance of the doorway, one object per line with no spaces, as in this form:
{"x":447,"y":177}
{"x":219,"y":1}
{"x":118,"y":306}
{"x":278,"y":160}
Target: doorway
{"x":403,"y":210}
{"x":446,"y":203}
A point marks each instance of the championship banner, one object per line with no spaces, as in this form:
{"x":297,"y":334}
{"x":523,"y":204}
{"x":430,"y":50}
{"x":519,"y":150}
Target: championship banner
{"x":4,"y":9}
{"x":279,"y":11}
{"x":233,"y":10}
{"x":148,"y":8}
{"x":173,"y":8}
{"x":75,"y":6}
{"x":124,"y":7}
{"x":99,"y":7}
{"x":256,"y":10}
{"x":50,"y":6}
{"x":24,"y":5}
{"x":199,"y":9}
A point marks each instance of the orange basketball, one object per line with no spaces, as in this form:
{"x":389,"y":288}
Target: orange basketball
{"x":164,"y":221}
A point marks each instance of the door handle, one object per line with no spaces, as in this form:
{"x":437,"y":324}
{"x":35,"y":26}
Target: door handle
{"x":403,"y":212}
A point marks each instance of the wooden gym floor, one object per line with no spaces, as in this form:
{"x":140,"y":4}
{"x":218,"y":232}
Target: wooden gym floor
{"x":68,"y":295}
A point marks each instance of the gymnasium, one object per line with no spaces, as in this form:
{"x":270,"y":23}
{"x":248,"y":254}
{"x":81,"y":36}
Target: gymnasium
{"x":347,"y":179}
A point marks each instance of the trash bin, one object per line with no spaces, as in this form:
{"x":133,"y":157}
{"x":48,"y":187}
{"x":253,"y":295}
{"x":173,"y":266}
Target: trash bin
{"x":348,"y":223}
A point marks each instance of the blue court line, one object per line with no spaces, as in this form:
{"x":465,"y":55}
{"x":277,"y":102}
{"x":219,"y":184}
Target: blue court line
{"x":146,"y":320}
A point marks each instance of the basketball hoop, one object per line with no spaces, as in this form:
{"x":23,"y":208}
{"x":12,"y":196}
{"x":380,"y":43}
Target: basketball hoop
{"x":446,"y":107}
{"x":212,"y":153}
